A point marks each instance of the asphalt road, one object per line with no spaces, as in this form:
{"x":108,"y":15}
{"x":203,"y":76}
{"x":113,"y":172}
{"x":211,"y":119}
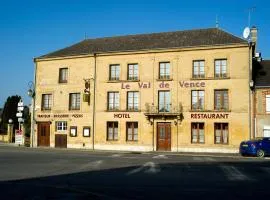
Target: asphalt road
{"x":27,"y":173}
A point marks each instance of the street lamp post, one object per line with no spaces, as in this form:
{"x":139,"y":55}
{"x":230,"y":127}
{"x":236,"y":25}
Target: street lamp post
{"x":31,"y":93}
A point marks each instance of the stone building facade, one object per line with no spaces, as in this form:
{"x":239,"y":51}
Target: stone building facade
{"x":175,"y":91}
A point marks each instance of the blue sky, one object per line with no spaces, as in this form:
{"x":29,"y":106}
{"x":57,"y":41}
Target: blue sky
{"x":32,"y":28}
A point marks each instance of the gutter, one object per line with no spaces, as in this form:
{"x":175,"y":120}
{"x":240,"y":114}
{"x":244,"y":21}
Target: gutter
{"x":94,"y":103}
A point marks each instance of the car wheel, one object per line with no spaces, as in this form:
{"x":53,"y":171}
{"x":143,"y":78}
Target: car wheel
{"x":260,"y":153}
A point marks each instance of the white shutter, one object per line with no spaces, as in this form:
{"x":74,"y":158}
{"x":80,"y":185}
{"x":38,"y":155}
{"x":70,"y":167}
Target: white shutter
{"x":267,"y":99}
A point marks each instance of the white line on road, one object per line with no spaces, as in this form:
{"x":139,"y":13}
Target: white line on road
{"x":115,"y":155}
{"x":233,"y":174}
{"x":198,"y":158}
{"x":161,"y":156}
{"x":148,"y":167}
{"x":93,"y":165}
{"x":266,"y":169}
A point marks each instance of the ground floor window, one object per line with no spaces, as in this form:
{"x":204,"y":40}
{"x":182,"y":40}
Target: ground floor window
{"x":221,"y":133}
{"x":266,"y":131}
{"x":61,"y":126}
{"x":132,"y":131}
{"x":112,"y":130}
{"x":197,"y":132}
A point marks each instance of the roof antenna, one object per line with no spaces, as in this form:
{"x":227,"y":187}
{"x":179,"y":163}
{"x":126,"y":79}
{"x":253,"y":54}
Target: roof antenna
{"x":217,"y":23}
{"x":85,"y":35}
{"x":251,"y":9}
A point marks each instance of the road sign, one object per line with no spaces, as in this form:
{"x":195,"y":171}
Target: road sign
{"x":18,"y":137}
{"x":21,"y":120}
{"x":20,"y":108}
{"x":19,"y":114}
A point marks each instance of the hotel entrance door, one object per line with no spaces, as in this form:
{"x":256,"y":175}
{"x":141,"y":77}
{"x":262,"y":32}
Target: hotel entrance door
{"x":164,"y":136}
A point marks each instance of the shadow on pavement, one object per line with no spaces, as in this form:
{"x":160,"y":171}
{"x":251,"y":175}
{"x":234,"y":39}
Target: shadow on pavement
{"x":227,"y":180}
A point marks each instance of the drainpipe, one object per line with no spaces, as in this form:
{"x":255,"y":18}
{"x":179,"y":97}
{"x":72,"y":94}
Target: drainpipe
{"x":33,"y":121}
{"x":94,"y":103}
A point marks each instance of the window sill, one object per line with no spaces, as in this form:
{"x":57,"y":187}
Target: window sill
{"x":114,"y":81}
{"x":131,"y":80}
{"x":209,"y":110}
{"x":170,"y":79}
{"x":63,"y":82}
{"x":123,"y":111}
{"x":46,"y":110}
{"x":74,"y":109}
{"x":222,"y":144}
{"x":210,"y":78}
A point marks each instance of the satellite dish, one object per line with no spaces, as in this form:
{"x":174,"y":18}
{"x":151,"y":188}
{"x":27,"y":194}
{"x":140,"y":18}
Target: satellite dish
{"x":246,"y":32}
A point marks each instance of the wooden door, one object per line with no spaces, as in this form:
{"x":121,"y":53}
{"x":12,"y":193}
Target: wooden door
{"x":164,"y":136}
{"x":44,"y":134}
{"x":60,"y":141}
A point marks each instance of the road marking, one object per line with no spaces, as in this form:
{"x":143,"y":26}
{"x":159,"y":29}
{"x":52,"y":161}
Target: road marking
{"x":148,"y":167}
{"x":94,"y":164}
{"x":161,"y":156}
{"x":267,"y":158}
{"x":266,"y":169}
{"x":233,"y":174}
{"x":198,"y":158}
{"x":115,"y":155}
{"x":209,"y":159}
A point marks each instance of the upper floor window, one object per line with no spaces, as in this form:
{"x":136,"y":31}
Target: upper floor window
{"x":133,"y":72}
{"x":221,"y":100}
{"x":132,"y":131}
{"x":164,"y":70}
{"x":74,"y":101}
{"x":133,"y":101}
{"x":221,"y":133}
{"x":114,"y":72}
{"x":113,"y":101}
{"x":267,"y":103}
{"x":63,"y":75}
{"x":46,"y":103}
{"x":198,"y":69}
{"x":164,"y":101}
{"x":221,"y":68}
{"x":197,"y":99}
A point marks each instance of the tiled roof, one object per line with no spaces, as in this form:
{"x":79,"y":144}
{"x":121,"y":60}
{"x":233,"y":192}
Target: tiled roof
{"x":262,"y":77}
{"x":177,"y":39}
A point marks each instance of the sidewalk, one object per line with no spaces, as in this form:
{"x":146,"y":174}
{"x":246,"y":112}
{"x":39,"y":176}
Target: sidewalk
{"x":126,"y":152}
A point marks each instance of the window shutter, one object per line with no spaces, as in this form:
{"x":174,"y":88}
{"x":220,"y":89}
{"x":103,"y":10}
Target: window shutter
{"x":267,"y":99}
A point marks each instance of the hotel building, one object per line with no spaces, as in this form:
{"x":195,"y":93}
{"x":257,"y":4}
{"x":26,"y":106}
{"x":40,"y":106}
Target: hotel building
{"x":185,"y":91}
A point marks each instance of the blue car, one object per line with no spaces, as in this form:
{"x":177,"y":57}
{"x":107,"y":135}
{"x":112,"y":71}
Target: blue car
{"x":259,"y":147}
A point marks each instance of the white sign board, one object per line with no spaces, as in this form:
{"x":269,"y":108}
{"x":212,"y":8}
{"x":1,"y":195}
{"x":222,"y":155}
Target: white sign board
{"x":20,"y":108}
{"x":20,"y":104}
{"x":19,"y":114}
{"x":18,"y":137}
{"x":21,"y":120}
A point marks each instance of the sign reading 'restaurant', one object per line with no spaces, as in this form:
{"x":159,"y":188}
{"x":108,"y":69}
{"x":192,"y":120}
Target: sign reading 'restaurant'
{"x":209,"y":116}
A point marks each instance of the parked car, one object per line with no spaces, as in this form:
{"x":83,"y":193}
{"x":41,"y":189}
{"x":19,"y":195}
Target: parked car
{"x":259,"y":147}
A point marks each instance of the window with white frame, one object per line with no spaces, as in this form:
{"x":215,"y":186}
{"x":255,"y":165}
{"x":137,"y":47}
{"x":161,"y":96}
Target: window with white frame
{"x":197,"y":99}
{"x":133,"y":101}
{"x":113,"y":101}
{"x":46,"y":103}
{"x":114,"y":72}
{"x":164,"y":101}
{"x":267,"y":103}
{"x":133,"y":73}
{"x":198,"y":69}
{"x":61,"y":125}
{"x":164,"y":70}
{"x":74,"y":101}
{"x":220,"y":68}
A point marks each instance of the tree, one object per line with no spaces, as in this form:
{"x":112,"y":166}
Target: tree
{"x":9,"y":112}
